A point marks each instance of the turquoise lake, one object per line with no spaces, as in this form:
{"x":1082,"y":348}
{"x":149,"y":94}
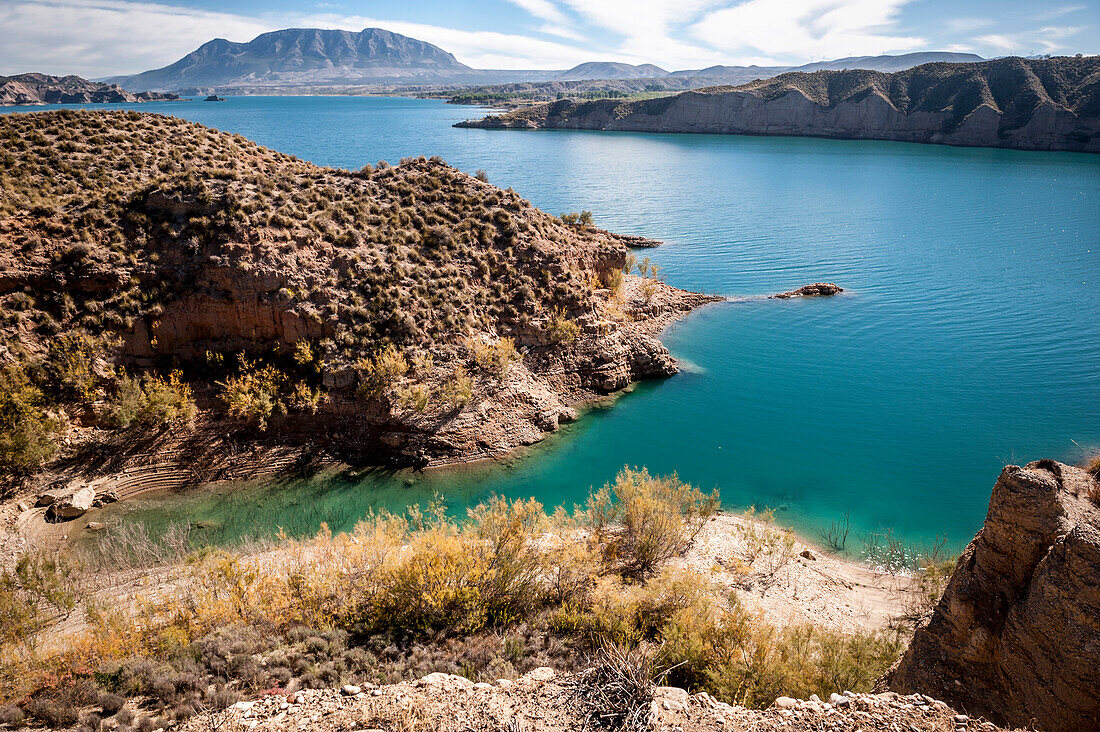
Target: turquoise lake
{"x":969,"y":335}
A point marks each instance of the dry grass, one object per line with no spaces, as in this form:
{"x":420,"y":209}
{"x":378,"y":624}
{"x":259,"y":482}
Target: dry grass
{"x":494,"y":596}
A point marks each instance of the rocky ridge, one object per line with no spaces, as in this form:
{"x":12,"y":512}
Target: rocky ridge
{"x":1016,"y":634}
{"x":545,"y":701}
{"x":45,"y":89}
{"x":1029,"y":104}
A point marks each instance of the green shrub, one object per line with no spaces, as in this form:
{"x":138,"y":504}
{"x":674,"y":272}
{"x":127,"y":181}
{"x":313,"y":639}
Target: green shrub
{"x":560,"y":328}
{"x":253,"y":394}
{"x":70,"y":367}
{"x":150,"y":400}
{"x":28,"y":436}
{"x":380,"y":372}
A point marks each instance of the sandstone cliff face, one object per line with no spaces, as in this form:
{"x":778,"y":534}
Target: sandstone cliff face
{"x":1016,"y":636}
{"x":1014,"y":103}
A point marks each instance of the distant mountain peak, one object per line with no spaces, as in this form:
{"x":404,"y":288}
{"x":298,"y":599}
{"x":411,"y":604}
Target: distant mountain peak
{"x":611,"y":70}
{"x":302,"y":56}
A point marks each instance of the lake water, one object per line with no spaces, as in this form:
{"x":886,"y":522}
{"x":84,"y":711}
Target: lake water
{"x":969,"y":336}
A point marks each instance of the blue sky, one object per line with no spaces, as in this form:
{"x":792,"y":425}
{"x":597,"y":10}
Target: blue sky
{"x":103,"y":37}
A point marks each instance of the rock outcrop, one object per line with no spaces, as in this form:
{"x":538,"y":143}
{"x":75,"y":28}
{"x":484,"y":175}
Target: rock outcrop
{"x":45,"y":89}
{"x":1016,"y":635}
{"x":545,"y":701}
{"x":817,"y":289}
{"x":1028,"y":104}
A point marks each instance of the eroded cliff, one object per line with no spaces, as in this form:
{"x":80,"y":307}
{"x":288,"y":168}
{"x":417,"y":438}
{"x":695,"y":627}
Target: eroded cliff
{"x":1027,"y":104}
{"x":1016,"y":635}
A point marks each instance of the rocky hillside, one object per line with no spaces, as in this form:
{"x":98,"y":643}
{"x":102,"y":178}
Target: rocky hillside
{"x":1045,"y":104}
{"x":45,"y":89}
{"x":1016,"y":635}
{"x":411,"y":313}
{"x":304,"y":56}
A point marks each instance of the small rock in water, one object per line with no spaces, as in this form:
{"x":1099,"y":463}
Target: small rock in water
{"x":817,"y":289}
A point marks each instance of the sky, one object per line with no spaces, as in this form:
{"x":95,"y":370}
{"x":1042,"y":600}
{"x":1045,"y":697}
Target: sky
{"x":96,"y":38}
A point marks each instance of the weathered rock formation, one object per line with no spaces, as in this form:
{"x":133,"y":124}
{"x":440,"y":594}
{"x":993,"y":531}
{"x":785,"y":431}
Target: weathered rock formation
{"x":1016,"y":636}
{"x":817,"y":289}
{"x":45,"y":89}
{"x":1029,"y":104}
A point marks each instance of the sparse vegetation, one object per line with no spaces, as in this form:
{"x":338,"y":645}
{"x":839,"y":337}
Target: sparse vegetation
{"x":560,"y":328}
{"x":110,"y":220}
{"x":494,"y":357}
{"x":505,"y":590}
{"x":835,"y":535}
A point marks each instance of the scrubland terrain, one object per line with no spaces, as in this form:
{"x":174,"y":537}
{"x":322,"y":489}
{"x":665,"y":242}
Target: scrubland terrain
{"x":128,"y":629}
{"x":167,"y":289}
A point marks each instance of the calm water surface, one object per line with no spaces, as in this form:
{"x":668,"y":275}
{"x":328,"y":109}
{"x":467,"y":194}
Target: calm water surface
{"x":970,"y":335}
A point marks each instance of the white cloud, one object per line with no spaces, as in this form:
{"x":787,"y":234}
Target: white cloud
{"x":102,"y":37}
{"x":1051,"y":39}
{"x":542,"y":9}
{"x":649,"y":28}
{"x":968,"y":25}
{"x":794,"y":30}
{"x":1054,"y":13}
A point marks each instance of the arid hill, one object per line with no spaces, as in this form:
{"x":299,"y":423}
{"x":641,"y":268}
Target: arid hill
{"x":1031,"y":104}
{"x":410,"y":313}
{"x":45,"y":89}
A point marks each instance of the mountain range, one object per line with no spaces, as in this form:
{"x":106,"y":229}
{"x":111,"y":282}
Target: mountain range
{"x":302,"y":58}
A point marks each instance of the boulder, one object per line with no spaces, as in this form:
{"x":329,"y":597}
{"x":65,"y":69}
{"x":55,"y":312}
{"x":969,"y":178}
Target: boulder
{"x":72,"y":505}
{"x":817,"y":289}
{"x":1016,"y":636}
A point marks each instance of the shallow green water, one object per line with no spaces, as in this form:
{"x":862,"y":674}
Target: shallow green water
{"x":970,"y":336}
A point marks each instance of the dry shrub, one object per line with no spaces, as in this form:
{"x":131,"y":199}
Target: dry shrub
{"x":1092,"y":466}
{"x":560,"y":328}
{"x":616,"y":690}
{"x":740,"y":658}
{"x":253,"y":394}
{"x":494,"y":357}
{"x":380,"y":372}
{"x":643,"y":520}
